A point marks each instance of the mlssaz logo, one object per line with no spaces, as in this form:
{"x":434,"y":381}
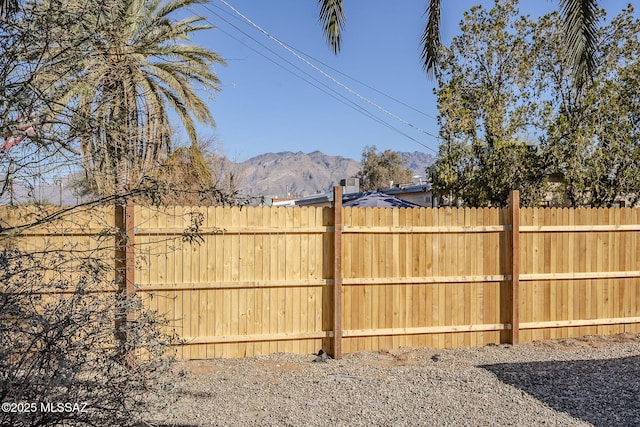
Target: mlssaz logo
{"x":60,"y":407}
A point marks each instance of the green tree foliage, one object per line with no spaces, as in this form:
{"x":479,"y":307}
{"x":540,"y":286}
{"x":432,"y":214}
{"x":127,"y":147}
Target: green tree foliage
{"x":591,"y":135}
{"x":132,"y":63}
{"x":565,"y":121}
{"x":378,"y":169}
{"x":615,"y":96}
{"x":26,"y":152}
{"x":485,"y":98}
{"x":512,"y":115}
{"x":96,"y":80}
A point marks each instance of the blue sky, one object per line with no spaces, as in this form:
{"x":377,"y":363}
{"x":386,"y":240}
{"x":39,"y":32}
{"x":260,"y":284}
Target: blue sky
{"x":263,"y":108}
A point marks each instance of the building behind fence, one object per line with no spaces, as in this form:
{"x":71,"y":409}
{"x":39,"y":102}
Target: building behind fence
{"x":238,"y":282}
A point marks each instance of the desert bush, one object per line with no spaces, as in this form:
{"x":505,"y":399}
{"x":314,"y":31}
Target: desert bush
{"x":63,"y":359}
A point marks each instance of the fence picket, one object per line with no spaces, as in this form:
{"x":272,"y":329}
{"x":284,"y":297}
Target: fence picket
{"x":262,"y":279}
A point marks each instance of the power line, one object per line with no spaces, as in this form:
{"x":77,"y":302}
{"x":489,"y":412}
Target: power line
{"x":348,"y":89}
{"x":364,"y":84}
{"x":329,"y":91}
{"x":235,"y":17}
{"x":335,"y":81}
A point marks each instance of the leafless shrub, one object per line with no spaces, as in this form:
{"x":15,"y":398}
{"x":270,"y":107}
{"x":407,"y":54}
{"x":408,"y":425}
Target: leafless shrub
{"x":61,"y":361}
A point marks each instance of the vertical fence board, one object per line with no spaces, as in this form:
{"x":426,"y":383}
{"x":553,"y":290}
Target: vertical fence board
{"x":337,"y":273}
{"x":262,"y":279}
{"x":376,"y":297}
{"x":514,"y":294}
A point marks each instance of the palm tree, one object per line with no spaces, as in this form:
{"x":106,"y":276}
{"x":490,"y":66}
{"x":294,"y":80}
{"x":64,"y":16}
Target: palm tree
{"x":580,"y":20}
{"x":133,"y":64}
{"x":8,"y":7}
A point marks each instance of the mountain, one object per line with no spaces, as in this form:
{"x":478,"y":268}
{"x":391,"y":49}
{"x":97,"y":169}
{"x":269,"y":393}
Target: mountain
{"x":299,"y":174}
{"x":279,"y":174}
{"x":418,"y":161}
{"x":270,"y":174}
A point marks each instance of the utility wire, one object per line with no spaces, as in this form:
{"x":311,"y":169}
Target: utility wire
{"x":235,"y":17}
{"x":348,"y":89}
{"x":284,"y":46}
{"x":365,"y":85}
{"x":329,"y":91}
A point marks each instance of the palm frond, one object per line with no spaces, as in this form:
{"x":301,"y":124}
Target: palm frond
{"x":431,"y":38}
{"x":332,"y":20}
{"x":581,"y":26}
{"x":8,"y":7}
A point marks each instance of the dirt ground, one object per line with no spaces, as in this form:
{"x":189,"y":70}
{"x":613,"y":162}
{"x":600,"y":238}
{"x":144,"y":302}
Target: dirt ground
{"x":593,"y":380}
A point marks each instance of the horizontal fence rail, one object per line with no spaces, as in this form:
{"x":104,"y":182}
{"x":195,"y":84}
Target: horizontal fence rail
{"x":241,"y":282}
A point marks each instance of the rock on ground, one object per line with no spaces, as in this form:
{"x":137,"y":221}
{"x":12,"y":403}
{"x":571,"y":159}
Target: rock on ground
{"x":569,"y":382}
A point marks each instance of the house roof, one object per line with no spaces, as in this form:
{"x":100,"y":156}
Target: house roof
{"x":328,"y":197}
{"x":379,"y":200}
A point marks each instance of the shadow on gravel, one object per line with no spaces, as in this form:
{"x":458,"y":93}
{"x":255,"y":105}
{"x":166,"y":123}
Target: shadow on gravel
{"x":600,"y":392}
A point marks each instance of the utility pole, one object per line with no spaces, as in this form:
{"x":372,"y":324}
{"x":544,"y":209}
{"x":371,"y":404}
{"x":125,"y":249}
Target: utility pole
{"x":59,"y":183}
{"x":10,"y":179}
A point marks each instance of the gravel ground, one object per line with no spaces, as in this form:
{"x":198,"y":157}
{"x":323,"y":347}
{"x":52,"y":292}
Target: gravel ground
{"x":569,"y":382}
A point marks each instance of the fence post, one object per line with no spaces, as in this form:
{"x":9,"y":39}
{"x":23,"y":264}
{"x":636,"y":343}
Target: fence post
{"x":337,"y":272}
{"x":514,"y":203}
{"x":129,"y":256}
{"x":125,"y":269}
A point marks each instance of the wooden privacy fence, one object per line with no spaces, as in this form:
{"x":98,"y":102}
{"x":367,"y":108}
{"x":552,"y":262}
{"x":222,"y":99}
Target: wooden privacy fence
{"x":246,"y":281}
